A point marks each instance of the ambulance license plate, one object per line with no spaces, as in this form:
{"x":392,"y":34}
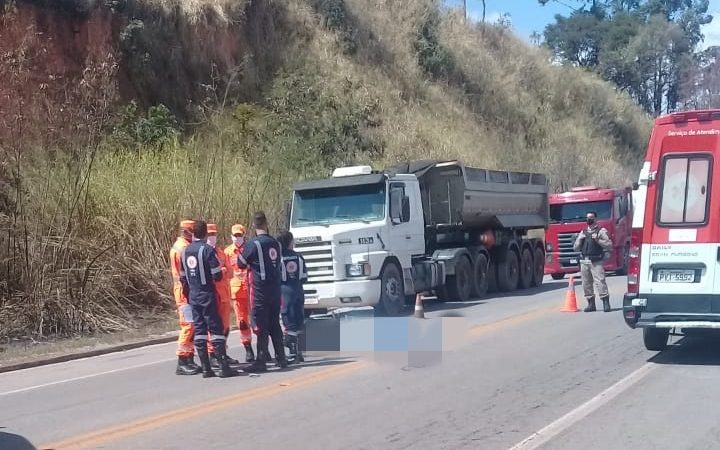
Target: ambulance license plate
{"x":311,"y":300}
{"x":675,"y":276}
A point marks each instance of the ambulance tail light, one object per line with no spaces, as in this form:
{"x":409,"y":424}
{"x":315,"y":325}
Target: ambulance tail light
{"x":633,"y":276}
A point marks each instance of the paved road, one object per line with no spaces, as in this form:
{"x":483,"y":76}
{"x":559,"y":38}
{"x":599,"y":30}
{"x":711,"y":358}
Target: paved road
{"x":524,"y":376}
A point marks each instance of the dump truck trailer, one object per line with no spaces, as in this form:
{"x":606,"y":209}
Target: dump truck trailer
{"x":376,"y":238}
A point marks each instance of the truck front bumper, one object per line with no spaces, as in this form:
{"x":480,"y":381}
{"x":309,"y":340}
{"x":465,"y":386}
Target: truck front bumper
{"x":672,"y":311}
{"x":342,"y":294}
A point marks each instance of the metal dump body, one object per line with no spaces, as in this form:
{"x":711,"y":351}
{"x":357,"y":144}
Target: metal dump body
{"x":458,"y":197}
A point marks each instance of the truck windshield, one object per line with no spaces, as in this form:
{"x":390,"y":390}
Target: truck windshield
{"x":576,"y":212}
{"x":335,"y":205}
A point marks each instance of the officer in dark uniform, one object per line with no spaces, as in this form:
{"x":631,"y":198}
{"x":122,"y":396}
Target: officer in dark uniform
{"x":293,"y":297}
{"x":261,"y":255}
{"x":200,"y":270}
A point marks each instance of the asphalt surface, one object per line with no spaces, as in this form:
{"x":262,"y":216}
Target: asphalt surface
{"x":508,"y":372}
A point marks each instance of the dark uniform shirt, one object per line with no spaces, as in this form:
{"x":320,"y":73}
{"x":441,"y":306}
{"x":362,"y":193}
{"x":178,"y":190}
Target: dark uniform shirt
{"x":200,"y":270}
{"x":261,"y":255}
{"x":295,"y":270}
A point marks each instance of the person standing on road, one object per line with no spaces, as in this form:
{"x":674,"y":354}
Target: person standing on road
{"x":593,"y":242}
{"x":222,"y":289}
{"x":186,"y":351}
{"x":293,"y":297}
{"x":239,"y":289}
{"x":200,"y":271}
{"x":261,"y":256}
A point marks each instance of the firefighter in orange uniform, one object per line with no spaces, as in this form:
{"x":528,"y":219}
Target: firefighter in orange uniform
{"x":222,"y":288}
{"x":186,"y":348}
{"x":239,"y":290}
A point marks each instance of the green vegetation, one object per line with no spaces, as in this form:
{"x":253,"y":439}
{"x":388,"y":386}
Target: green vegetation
{"x":648,"y":48}
{"x":92,"y":186}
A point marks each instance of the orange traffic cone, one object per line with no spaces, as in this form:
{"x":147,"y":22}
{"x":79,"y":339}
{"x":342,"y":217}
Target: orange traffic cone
{"x":419,"y":310}
{"x":570,"y":298}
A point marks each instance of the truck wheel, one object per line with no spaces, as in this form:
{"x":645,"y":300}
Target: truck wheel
{"x":480,"y":286}
{"x":392,"y":294}
{"x":655,"y":339}
{"x":626,"y":258}
{"x":460,"y":285}
{"x":527,"y":268}
{"x":557,"y":276}
{"x":492,"y":276}
{"x":539,"y":262}
{"x":508,"y":271}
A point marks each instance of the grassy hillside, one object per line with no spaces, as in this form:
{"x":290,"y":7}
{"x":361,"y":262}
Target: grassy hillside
{"x":258,"y":94}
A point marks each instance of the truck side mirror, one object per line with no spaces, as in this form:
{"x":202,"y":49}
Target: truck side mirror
{"x":288,"y":209}
{"x":405,"y":209}
{"x":396,"y":205}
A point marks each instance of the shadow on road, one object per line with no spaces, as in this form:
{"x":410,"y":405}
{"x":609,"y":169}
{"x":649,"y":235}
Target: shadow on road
{"x":696,"y":350}
{"x":545,"y":287}
{"x":325,"y":362}
{"x":9,"y":441}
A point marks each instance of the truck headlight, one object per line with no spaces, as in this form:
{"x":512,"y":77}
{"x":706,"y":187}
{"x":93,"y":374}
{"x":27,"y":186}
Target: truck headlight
{"x":358,"y":270}
{"x":548,"y":247}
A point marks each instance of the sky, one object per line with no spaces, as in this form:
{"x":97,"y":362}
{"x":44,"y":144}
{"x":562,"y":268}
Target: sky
{"x":527,"y":16}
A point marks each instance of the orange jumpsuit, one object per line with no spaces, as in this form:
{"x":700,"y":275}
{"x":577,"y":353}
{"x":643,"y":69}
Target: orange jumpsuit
{"x":239,"y":293}
{"x":222,"y":288}
{"x":186,"y":346}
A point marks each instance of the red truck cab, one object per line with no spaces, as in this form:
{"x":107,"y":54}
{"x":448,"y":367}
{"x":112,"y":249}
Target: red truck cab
{"x":614,"y":208}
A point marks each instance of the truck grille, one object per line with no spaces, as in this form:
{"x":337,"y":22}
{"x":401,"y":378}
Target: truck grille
{"x":566,"y":241}
{"x":319,"y":260}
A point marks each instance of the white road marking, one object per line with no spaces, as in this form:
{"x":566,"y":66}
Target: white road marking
{"x":544,"y":435}
{"x":84,"y":377}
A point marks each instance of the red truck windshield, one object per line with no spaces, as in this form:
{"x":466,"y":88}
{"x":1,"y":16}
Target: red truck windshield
{"x":576,"y":212}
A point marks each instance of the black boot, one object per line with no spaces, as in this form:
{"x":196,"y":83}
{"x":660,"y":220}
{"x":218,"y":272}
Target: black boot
{"x":291,"y":342}
{"x":207,"y":371}
{"x":249,"y":354}
{"x":591,"y":305}
{"x":300,"y":345}
{"x":606,"y":304}
{"x":231,"y":361}
{"x":225,"y":370}
{"x":279,"y":347}
{"x":186,"y":366}
{"x":213,"y":361}
{"x":258,"y":366}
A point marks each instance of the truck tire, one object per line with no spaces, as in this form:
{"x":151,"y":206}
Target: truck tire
{"x":655,"y":339}
{"x":539,"y":262}
{"x":508,"y":269}
{"x":460,"y":285}
{"x":626,"y":258}
{"x":392,"y":294}
{"x":492,"y":276}
{"x":480,"y":269}
{"x":557,"y":276}
{"x":527,"y":268}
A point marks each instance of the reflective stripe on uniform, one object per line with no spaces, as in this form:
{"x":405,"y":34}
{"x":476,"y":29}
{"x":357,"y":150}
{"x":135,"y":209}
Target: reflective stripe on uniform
{"x":242,"y":259}
{"x":201,"y":337}
{"x":201,"y":266}
{"x":261,"y":260}
{"x":217,"y":337}
{"x":182,"y":261}
{"x":216,"y":270}
{"x":301,"y":268}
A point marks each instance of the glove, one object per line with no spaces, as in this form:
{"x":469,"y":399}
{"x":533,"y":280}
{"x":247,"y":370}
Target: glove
{"x":186,"y":313}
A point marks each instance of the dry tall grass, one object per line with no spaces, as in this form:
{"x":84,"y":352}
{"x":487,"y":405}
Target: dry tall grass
{"x":86,"y":223}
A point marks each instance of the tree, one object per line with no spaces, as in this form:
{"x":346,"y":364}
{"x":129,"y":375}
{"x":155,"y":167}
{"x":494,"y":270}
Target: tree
{"x":646,"y":47}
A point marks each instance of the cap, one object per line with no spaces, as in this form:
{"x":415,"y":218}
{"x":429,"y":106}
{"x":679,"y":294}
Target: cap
{"x":187,"y":225}
{"x":238,"y":229}
{"x":212,"y":228}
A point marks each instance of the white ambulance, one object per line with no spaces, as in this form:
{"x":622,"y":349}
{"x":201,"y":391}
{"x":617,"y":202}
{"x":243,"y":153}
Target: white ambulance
{"x":674,"y":267}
